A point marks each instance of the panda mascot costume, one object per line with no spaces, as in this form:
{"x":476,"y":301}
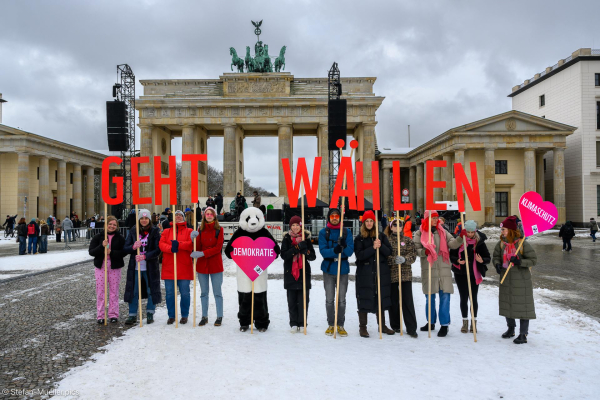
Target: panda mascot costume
{"x":252,"y":225}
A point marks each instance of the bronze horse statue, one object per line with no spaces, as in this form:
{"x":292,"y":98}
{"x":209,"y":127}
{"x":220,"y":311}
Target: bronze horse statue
{"x":238,"y":62}
{"x":280,"y":61}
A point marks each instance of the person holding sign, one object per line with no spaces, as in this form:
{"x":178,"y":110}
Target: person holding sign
{"x":516,"y":292}
{"x":331,"y":246}
{"x":209,"y":263}
{"x":149,"y":268}
{"x":183,"y":247}
{"x":367,"y":290}
{"x":405,"y":257}
{"x":434,"y":251}
{"x":114,"y":262}
{"x":292,"y":250}
{"x":478,"y":256}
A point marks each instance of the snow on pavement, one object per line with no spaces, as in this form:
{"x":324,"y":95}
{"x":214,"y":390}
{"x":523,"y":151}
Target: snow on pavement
{"x":33,"y":263}
{"x":560,"y":360}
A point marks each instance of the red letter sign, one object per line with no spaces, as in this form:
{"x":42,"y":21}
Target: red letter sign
{"x":398,"y":205}
{"x":462,"y":183}
{"x":118,"y":180}
{"x":136,"y":180}
{"x":194,"y":158}
{"x":171,"y":180}
{"x":431,"y":184}
{"x":301,"y":179}
{"x":345,"y":170}
{"x":361,"y":186}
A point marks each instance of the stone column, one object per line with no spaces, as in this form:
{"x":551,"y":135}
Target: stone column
{"x":437,"y":176}
{"x":44,"y":191}
{"x":187,"y":147}
{"x":77,"y":200}
{"x":459,"y":157}
{"x":62,"y":208}
{"x":559,"y":185}
{"x":23,"y":187}
{"x":386,"y":190}
{"x":529,"y":155}
{"x":490,"y":187}
{"x":229,"y":161}
{"x":447,"y":176}
{"x":368,"y":152}
{"x":323,"y":151}
{"x":420,"y":187}
{"x":539,"y":170}
{"x":285,"y":151}
{"x":146,"y":169}
{"x":412,"y":188}
{"x":89,"y":192}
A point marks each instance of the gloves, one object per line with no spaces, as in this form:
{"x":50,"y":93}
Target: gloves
{"x":174,"y":246}
{"x":197,"y":254}
{"x":399,"y":260}
{"x":139,"y":258}
{"x":463,"y":233}
{"x":194,"y":235}
{"x":498,"y":268}
{"x":516,"y":261}
{"x":342,"y":242}
{"x":338,"y":249}
{"x":295,"y":250}
{"x":137,"y":245}
{"x":302,"y":246}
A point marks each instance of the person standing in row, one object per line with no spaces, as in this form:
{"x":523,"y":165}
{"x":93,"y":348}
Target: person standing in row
{"x":219,"y":203}
{"x":435,"y":257}
{"x":22,"y":236}
{"x":516,"y":293}
{"x":149,"y":269}
{"x":182,"y":246}
{"x":370,"y":289}
{"x":479,"y":256}
{"x":593,"y":229}
{"x":50,"y":222}
{"x":209,"y":264}
{"x":210,"y":202}
{"x":33,"y":232}
{"x":44,"y":232}
{"x":333,"y":244}
{"x":115,"y":243}
{"x":408,"y":227}
{"x":566,"y":233}
{"x":406,"y":257}
{"x":292,"y":250}
{"x":67,"y":228}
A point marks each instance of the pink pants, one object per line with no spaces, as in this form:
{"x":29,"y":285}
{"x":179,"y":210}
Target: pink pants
{"x":114,"y":279}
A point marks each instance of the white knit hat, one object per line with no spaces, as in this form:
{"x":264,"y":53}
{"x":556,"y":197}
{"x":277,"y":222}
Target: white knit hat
{"x":144,"y":213}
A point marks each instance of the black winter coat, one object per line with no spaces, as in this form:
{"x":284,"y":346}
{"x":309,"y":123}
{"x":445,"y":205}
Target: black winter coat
{"x":116,"y":255}
{"x":22,"y":229}
{"x":152,"y":267}
{"x":480,"y":249}
{"x":566,"y":232}
{"x":288,"y":251}
{"x":366,"y":273}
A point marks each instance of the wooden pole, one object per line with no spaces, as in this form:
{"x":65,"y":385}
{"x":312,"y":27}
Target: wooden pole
{"x":252,"y":311}
{"x":429,"y":302}
{"x":105,"y":266}
{"x":462,"y":222}
{"x":174,"y":229}
{"x":194,"y":270}
{"x":337,"y":286}
{"x":511,"y":264}
{"x":376,"y":226}
{"x":399,"y":267}
{"x":139,"y":274}
{"x":303,"y":256}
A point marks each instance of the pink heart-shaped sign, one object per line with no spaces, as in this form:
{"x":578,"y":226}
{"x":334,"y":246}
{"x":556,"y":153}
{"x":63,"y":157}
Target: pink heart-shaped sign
{"x":537,"y":215}
{"x":253,"y":256}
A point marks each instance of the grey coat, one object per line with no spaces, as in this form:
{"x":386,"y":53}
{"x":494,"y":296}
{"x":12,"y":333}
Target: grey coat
{"x":441,"y":272}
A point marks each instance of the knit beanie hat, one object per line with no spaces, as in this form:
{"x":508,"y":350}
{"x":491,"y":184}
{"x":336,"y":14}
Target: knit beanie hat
{"x":471,"y":226}
{"x":368,"y":215}
{"x":509,"y":223}
{"x":296,"y":220}
{"x":180,"y":213}
{"x":144,"y":213}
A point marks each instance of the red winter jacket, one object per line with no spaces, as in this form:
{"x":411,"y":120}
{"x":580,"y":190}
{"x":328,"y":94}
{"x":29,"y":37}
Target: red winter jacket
{"x":184,"y":261}
{"x":212,"y":246}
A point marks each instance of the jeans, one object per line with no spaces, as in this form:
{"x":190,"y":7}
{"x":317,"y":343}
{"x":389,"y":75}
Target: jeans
{"x":133,"y":306}
{"x":523,"y":325}
{"x":593,"y":235}
{"x":22,"y":245}
{"x":444,"y":308}
{"x":217,"y":281}
{"x":183,"y":286}
{"x":32,"y":240}
{"x":44,"y":244}
{"x":67,"y":235}
{"x":329,"y":282}
{"x":567,"y":244}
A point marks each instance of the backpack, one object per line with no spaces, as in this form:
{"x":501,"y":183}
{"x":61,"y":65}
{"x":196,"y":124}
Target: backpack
{"x":31,"y":229}
{"x":328,"y":232}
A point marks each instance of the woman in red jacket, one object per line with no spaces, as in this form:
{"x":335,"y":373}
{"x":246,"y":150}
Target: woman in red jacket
{"x":209,"y":264}
{"x":183,"y":247}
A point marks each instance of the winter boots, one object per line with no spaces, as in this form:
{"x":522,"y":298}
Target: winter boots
{"x":521,"y":339}
{"x":443,"y":331}
{"x":342,"y":332}
{"x":203,"y":321}
{"x":219,"y":321}
{"x":329,"y":331}
{"x":131,"y":320}
{"x":244,"y":328}
{"x":425,"y":328}
{"x":183,"y":320}
{"x":170,"y":321}
{"x":473,"y":324}
{"x":149,"y":318}
{"x":385,"y":329}
{"x":509,"y":333}
{"x":465,"y":326}
{"x":362,"y":325}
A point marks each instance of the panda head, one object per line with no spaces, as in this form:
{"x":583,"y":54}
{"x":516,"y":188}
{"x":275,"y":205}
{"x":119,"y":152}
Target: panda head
{"x":252,"y":219}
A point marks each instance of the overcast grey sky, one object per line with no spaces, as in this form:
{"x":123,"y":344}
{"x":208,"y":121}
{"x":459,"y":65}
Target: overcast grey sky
{"x":439,"y":64}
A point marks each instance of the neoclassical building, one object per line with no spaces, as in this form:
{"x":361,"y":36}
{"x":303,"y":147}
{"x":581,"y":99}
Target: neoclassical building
{"x":509,"y":150}
{"x":41,"y":176}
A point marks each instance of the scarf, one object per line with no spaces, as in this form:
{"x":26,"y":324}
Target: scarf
{"x":297,"y":260}
{"x":510,"y":250}
{"x":331,"y":226}
{"x":476,"y":273}
{"x":433,"y":254}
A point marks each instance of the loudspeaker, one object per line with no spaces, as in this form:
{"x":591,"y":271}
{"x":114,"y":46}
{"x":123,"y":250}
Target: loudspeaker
{"x":220,"y":218}
{"x":118,"y":142}
{"x":336,"y":113}
{"x":116,"y":114}
{"x":274,"y":215}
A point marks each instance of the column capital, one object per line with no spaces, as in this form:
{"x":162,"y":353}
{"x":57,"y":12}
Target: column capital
{"x":369,"y":123}
{"x":145,"y":125}
{"x":284,"y":124}
{"x":229,"y":125}
{"x":489,"y":148}
{"x":529,"y":149}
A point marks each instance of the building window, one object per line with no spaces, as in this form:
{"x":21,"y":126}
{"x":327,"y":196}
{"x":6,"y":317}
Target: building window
{"x":598,"y":199}
{"x":38,"y":173}
{"x":501,"y":167}
{"x":542,"y":100}
{"x":544,"y":165}
{"x":240,"y":166}
{"x":597,"y":79}
{"x":597,"y":153}
{"x":71,"y":178}
{"x":598,"y":115}
{"x":56,"y":176}
{"x":502,"y":204}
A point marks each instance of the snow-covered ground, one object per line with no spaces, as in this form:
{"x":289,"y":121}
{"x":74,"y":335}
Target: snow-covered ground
{"x":560,"y":360}
{"x":26,"y":264}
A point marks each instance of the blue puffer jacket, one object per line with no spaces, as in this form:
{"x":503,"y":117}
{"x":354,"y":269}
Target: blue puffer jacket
{"x":326,"y":246}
